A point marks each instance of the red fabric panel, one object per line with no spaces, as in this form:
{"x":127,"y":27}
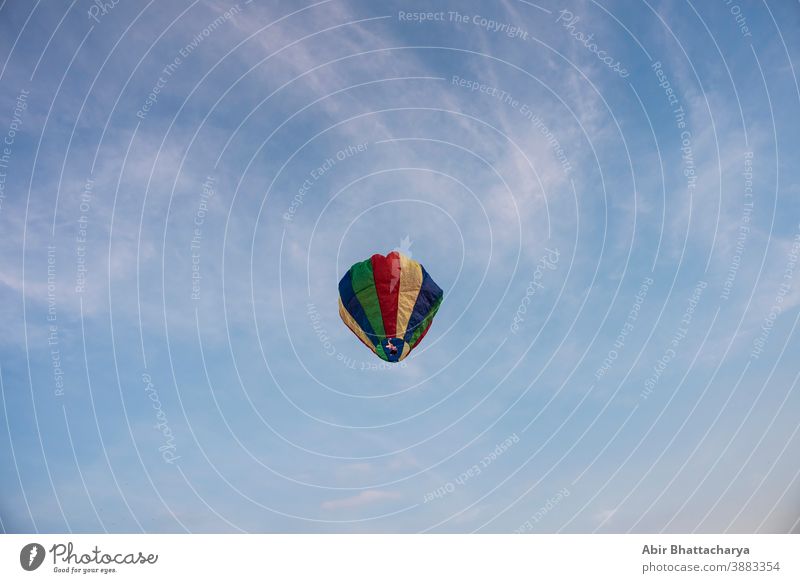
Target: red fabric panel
{"x":386,"y":272}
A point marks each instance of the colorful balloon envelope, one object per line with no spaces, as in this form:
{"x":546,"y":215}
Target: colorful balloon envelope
{"x":389,"y":303}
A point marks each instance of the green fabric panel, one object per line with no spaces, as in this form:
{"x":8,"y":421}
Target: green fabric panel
{"x":425,"y":324}
{"x":364,"y":288}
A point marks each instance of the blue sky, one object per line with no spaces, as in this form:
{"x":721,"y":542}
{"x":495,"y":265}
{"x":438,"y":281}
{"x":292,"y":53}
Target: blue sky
{"x":606,"y":192}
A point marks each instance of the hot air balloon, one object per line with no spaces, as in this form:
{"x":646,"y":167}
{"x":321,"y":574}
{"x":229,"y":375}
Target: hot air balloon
{"x":389,"y":303}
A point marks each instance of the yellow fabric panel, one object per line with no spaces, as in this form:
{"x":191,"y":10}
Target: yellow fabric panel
{"x":406,"y":350}
{"x":350,"y":323}
{"x":410,"y":282}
